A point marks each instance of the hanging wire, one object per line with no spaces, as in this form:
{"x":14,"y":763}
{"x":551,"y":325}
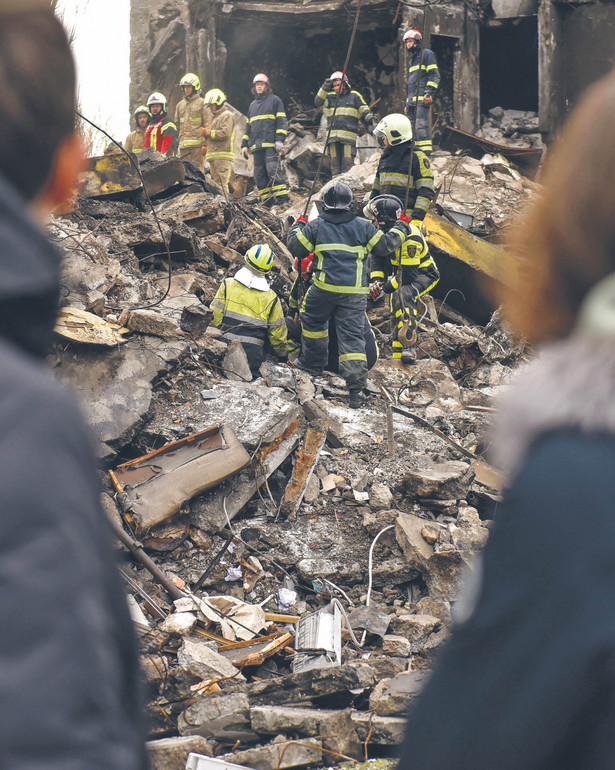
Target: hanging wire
{"x":149,"y":200}
{"x":337,"y":98}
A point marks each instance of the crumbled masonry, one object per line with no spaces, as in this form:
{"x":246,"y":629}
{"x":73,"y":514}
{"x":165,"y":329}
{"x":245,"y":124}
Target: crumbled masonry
{"x":314,"y":482}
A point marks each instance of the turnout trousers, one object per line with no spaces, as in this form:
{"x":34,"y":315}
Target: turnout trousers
{"x":422,"y":129}
{"x":193,"y":155}
{"x":348,"y":312}
{"x":269,"y":176}
{"x":342,"y":157}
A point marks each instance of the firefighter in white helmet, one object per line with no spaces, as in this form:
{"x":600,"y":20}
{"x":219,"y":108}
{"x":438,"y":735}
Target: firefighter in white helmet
{"x":266,"y":130}
{"x":190,"y":117}
{"x":220,"y":139}
{"x":161,"y":133}
{"x":423,"y":82}
{"x":351,"y":108}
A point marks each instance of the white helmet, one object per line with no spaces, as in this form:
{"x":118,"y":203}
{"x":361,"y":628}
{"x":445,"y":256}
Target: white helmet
{"x":261,"y":78}
{"x":396,"y":127}
{"x":158,"y":98}
{"x":190,"y":79}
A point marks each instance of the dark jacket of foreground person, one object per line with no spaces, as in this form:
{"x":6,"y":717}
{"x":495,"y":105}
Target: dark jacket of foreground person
{"x":68,"y":660}
{"x":528,"y":681}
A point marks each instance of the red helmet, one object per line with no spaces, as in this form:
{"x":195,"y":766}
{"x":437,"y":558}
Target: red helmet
{"x":261,"y":78}
{"x":339,"y":75}
{"x":413,"y":34}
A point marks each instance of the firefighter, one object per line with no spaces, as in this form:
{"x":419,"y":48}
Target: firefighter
{"x":351,"y":108}
{"x":341,"y":242}
{"x":422,"y":87}
{"x":135,"y":141}
{"x":221,"y":139}
{"x":405,"y":275}
{"x":248,"y":310}
{"x":190,"y":117}
{"x":161,"y":133}
{"x":293,"y":322}
{"x":266,"y":131}
{"x":395,"y":133}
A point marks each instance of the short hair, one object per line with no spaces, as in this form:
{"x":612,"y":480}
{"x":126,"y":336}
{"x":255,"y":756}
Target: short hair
{"x":37,"y":97}
{"x":567,"y":240}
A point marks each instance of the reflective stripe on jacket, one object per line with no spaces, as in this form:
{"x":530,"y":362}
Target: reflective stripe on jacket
{"x":415,"y":259}
{"x":135,"y":141}
{"x":341,"y":242}
{"x":392,"y":178}
{"x":221,"y":139}
{"x":162,"y":136}
{"x":267,"y":122}
{"x":351,"y":108}
{"x":430,"y":76}
{"x":190,"y":116}
{"x":250,"y":316}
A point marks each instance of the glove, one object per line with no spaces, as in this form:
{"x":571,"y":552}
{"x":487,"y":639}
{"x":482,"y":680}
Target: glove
{"x":404,"y":218}
{"x":327,"y":85}
{"x":427,"y":99}
{"x":302,"y":218}
{"x":375,"y":289}
{"x":204,"y":149}
{"x":407,"y":111}
{"x":279,"y":148}
{"x":306,"y":265}
{"x":245,"y":154}
{"x":204,"y":132}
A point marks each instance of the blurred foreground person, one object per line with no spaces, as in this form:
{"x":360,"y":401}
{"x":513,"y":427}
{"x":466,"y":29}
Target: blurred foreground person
{"x":527,"y":681}
{"x":68,"y":658}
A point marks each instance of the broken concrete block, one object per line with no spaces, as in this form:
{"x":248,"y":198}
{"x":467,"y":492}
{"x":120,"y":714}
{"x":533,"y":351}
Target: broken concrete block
{"x":179,"y":623}
{"x":338,"y":734}
{"x":469,"y":534}
{"x":151,"y":322}
{"x":277,"y":755}
{"x":415,"y":628}
{"x":444,"y":574}
{"x":386,"y":666}
{"x":442,"y":481}
{"x":369,"y":618}
{"x":197,"y":657}
{"x":312,"y":490}
{"x":380,"y":497}
{"x":393,"y":696}
{"x":272,"y":720}
{"x":220,"y":717}
{"x":306,"y":458}
{"x":437,"y":608}
{"x":172,"y":753}
{"x":409,"y":535}
{"x":235,"y":363}
{"x":381,"y":730}
{"x":160,"y":173}
{"x":395,"y":645}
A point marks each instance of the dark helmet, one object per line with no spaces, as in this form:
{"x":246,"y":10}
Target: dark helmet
{"x":385,"y":208}
{"x":337,"y":195}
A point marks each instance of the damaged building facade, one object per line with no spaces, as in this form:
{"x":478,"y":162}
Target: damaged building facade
{"x":530,"y":55}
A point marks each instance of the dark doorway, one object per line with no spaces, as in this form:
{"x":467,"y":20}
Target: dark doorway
{"x":297,"y":58}
{"x":509,"y":65}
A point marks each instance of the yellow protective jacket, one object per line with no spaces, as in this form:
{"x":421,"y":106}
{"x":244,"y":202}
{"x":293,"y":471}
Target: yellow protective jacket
{"x":191,"y":116}
{"x":252,"y":316}
{"x":221,"y":138}
{"x":135,"y":141}
{"x":417,"y":271}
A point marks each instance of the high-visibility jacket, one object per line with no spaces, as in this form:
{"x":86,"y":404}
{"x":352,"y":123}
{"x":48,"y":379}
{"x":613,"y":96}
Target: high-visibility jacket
{"x":418,"y":268}
{"x":341,"y":242}
{"x":161,"y":134}
{"x":252,"y":316}
{"x":392,"y":178}
{"x":221,"y":137}
{"x":135,"y":141}
{"x":429,"y":76}
{"x":267,"y":122}
{"x":351,"y":108}
{"x":191,"y":115}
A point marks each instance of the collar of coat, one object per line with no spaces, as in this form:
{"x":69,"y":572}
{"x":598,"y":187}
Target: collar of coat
{"x":251,"y":280}
{"x":338,"y":216}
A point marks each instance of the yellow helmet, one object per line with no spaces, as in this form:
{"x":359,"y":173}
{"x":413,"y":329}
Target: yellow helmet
{"x":190,"y":79}
{"x":396,"y":127}
{"x":260,"y":258}
{"x":215,"y":96}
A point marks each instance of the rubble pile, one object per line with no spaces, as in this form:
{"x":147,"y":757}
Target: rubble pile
{"x":516,"y":128}
{"x":292,"y":564}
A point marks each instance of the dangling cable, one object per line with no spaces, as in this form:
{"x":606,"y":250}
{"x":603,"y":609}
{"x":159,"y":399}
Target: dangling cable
{"x":149,"y":200}
{"x":337,"y":98}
